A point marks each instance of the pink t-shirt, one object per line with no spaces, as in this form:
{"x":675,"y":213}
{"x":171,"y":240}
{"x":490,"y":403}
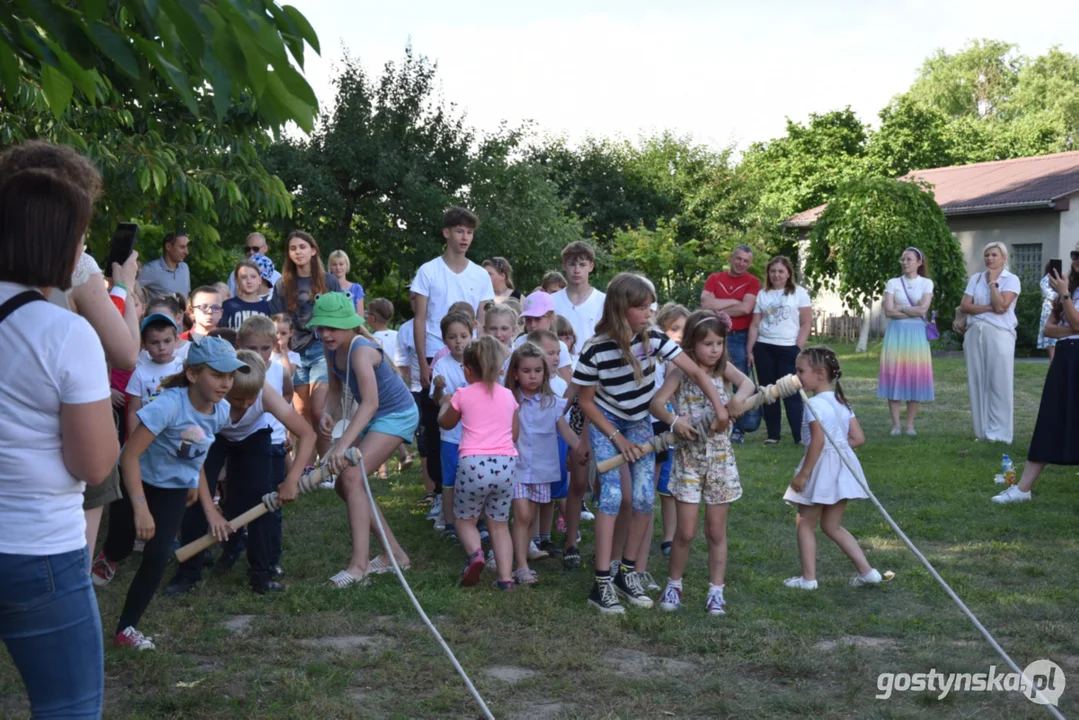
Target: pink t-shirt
{"x":486,"y":420}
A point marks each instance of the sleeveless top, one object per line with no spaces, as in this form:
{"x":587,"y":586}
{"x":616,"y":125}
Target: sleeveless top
{"x":690,"y":400}
{"x":393,"y":395}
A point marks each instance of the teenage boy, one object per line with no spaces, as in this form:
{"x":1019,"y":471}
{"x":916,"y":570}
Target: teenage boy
{"x":735,"y":293}
{"x":579,"y":302}
{"x":451,"y":277}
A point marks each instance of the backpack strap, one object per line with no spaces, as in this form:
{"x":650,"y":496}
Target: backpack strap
{"x":16,"y":302}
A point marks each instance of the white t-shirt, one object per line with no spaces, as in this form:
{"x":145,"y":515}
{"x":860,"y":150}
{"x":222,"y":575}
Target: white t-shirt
{"x":405,"y":355}
{"x":145,"y":381}
{"x":253,"y":420}
{"x":52,"y":357}
{"x":917,"y":287}
{"x":582,"y":317}
{"x":388,"y":339}
{"x":454,"y":373}
{"x":564,"y":359}
{"x":559,"y":386}
{"x":275,"y":376}
{"x":779,"y":315}
{"x":443,"y":287}
{"x":979,"y":291}
{"x":293,"y":358}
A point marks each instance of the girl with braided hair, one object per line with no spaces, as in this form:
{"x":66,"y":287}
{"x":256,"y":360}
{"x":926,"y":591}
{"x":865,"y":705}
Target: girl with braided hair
{"x":823,"y":484}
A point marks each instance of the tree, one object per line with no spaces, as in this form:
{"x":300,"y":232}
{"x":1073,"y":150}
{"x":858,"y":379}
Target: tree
{"x":976,"y":82}
{"x":854,"y":246}
{"x":804,"y":168}
{"x":522,"y":215}
{"x":228,"y":50}
{"x":911,"y":137}
{"x":376,"y":175}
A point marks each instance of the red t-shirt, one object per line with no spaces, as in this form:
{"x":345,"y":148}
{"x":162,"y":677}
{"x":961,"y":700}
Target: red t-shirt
{"x":725,"y":287}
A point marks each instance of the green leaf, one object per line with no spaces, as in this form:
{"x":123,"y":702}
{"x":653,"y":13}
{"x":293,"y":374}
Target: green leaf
{"x":253,"y":59}
{"x":144,"y":179}
{"x":167,"y":67}
{"x":186,"y":27}
{"x":302,"y":113}
{"x":221,"y":82}
{"x":297,"y":85}
{"x":9,"y":70}
{"x":117,"y":49}
{"x":159,"y":178}
{"x":58,"y":89}
{"x":93,"y":10}
{"x":306,"y":31}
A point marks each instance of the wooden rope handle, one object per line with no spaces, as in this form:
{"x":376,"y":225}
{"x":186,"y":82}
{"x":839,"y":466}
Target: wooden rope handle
{"x":308,"y":483}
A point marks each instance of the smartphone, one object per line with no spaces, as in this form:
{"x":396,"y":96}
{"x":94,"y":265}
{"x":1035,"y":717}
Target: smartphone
{"x":1057,"y":265}
{"x":123,"y":244}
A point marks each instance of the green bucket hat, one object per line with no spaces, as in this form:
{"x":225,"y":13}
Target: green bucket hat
{"x":334,"y":310}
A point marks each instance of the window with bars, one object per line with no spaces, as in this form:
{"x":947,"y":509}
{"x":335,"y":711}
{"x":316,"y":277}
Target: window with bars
{"x":1026,"y":261}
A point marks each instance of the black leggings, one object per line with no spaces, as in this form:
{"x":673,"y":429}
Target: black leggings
{"x":167,"y":508}
{"x":432,"y":438}
{"x":773,"y":362}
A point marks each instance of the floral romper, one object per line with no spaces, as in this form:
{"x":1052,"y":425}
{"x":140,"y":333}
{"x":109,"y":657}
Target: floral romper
{"x":703,"y":469}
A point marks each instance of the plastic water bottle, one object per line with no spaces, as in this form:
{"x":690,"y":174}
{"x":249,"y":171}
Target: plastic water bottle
{"x":1008,"y":469}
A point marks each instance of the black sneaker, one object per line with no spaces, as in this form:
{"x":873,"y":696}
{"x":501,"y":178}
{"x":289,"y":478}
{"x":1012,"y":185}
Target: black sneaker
{"x":180,"y":586}
{"x":572,"y":559}
{"x":604,"y":599}
{"x":550,"y":548}
{"x":629,"y":586}
{"x":269,"y":586}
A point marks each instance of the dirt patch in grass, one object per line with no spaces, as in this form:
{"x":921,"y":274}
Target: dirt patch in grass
{"x":855,"y":641}
{"x":347,"y":643}
{"x":543,"y":709}
{"x":238,"y":623}
{"x":510,"y":674}
{"x":635,"y":663}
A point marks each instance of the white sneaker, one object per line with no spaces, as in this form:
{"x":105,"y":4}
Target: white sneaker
{"x":586,"y":515}
{"x":534,"y":553}
{"x":671,"y":600}
{"x":870,"y":578}
{"x":1011,"y":495}
{"x":492,"y":565}
{"x":327,"y":484}
{"x":648,"y":582}
{"x":715,"y":605}
{"x":800,"y":583}
{"x":436,"y":509}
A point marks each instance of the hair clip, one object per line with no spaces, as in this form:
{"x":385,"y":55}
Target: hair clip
{"x":725,"y":319}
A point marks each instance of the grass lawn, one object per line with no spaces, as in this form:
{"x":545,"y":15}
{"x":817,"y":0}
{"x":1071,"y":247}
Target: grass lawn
{"x":316,"y":652}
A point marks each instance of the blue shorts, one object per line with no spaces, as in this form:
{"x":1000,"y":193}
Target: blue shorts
{"x":401,"y":424}
{"x":665,"y":476}
{"x":449,"y":453}
{"x":560,"y":489}
{"x":312,"y":367}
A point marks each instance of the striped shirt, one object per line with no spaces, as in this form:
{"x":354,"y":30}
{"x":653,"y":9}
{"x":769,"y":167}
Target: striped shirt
{"x":602,"y":363}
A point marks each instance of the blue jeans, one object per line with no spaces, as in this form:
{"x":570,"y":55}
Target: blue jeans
{"x":736,"y":349}
{"x":51,"y":626}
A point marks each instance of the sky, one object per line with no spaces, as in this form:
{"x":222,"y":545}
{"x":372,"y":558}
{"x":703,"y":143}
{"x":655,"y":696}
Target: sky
{"x":722,"y":72}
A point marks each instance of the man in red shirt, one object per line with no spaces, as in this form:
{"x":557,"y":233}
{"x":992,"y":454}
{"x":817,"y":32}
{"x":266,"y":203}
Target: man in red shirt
{"x":735,"y":293}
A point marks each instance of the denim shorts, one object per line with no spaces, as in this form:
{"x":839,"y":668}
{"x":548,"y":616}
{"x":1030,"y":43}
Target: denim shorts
{"x":312,"y":368}
{"x":402,"y":424}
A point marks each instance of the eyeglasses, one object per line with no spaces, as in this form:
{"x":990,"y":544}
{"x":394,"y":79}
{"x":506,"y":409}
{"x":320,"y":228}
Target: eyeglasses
{"x":249,"y":249}
{"x":208,"y":308}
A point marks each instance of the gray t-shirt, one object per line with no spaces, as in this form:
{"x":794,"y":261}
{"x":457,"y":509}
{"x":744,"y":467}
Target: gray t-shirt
{"x":159,"y":280}
{"x":302,"y":337}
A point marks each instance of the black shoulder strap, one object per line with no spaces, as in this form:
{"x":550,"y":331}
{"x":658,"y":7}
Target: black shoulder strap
{"x":17,"y":302}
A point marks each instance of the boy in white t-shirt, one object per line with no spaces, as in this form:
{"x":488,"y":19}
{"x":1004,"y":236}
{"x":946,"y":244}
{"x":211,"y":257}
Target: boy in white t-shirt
{"x":448,"y":377}
{"x":439,"y":283}
{"x":159,"y":334}
{"x":579,"y":302}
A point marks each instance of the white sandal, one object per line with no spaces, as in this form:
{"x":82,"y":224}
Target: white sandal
{"x":379,"y":567}
{"x":344,"y":578}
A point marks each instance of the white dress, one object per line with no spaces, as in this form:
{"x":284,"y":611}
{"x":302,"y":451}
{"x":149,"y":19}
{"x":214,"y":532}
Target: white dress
{"x":830,"y":480}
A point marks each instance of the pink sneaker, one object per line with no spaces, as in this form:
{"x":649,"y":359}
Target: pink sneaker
{"x":561,"y":524}
{"x":471,"y":574}
{"x":132,"y":638}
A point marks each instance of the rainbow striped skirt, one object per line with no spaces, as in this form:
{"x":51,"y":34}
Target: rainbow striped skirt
{"x":906,"y":366}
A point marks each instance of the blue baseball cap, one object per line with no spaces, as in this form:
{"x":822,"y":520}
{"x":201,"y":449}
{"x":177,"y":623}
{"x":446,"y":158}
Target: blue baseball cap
{"x":216,"y":353}
{"x":156,"y":318}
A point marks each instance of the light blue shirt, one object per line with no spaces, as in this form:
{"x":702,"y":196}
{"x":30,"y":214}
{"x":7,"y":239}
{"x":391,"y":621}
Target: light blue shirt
{"x":183,"y":436}
{"x":537,"y":442}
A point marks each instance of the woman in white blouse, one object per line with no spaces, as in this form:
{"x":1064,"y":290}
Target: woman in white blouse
{"x":989,"y":345}
{"x":782,"y":318}
{"x":906,"y":365}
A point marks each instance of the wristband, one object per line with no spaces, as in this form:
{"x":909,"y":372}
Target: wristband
{"x":612,"y":435}
{"x":120,"y":285}
{"x":119,"y":290}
